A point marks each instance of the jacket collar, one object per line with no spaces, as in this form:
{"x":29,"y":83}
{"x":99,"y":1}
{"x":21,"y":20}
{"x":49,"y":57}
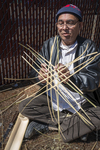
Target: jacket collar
{"x":56,"y":55}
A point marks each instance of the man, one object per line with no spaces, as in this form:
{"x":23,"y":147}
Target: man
{"x":67,"y":46}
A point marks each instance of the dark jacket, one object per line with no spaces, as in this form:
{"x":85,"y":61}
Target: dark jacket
{"x":88,"y":78}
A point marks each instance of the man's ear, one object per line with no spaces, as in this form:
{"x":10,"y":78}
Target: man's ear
{"x":56,"y":24}
{"x":81,"y":25}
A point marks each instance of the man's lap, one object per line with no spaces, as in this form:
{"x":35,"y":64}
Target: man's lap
{"x":72,"y":127}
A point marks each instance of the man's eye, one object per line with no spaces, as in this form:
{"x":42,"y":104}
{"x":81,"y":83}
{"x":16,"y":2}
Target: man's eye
{"x":69,"y":22}
{"x":61,"y":23}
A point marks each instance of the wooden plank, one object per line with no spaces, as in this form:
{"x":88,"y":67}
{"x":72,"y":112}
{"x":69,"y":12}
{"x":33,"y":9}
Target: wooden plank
{"x":17,"y":134}
{"x":3,"y":56}
{"x":40,"y":10}
{"x":43,"y":20}
{"x":30,"y":17}
{"x":36,"y":27}
{"x":8,"y":42}
{"x":20,"y":38}
{"x":23,"y":38}
{"x":1,"y":46}
{"x":17,"y":41}
{"x":12,"y":39}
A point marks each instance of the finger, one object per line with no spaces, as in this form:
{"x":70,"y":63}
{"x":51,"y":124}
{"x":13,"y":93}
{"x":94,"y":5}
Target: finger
{"x":44,"y":68}
{"x":57,"y":67}
{"x":43,"y":65}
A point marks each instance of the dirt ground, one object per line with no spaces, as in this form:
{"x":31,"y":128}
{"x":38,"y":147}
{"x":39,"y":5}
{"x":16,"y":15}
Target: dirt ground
{"x":46,"y":141}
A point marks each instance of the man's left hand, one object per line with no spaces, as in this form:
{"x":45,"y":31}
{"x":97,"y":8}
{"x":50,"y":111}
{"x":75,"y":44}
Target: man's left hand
{"x":63,"y":72}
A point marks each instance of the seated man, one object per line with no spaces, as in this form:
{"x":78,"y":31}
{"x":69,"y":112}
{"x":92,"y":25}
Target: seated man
{"x":69,"y":75}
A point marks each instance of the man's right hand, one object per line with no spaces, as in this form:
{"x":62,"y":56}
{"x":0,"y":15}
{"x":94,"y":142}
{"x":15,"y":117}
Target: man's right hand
{"x":43,"y":73}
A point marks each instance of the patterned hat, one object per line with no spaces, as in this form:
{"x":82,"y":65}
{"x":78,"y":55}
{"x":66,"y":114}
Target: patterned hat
{"x":70,"y":9}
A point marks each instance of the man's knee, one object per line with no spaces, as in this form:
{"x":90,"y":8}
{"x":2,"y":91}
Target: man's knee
{"x":23,"y":104}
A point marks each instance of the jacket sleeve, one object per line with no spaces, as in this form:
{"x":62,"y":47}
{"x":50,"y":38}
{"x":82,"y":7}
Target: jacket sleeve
{"x":36,"y":66}
{"x":88,"y":78}
{"x":40,"y":59}
{"x":45,"y":57}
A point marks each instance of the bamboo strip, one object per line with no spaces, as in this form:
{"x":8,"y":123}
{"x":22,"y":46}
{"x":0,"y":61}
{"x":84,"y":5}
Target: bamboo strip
{"x":71,"y":82}
{"x":70,"y":63}
{"x":50,"y":88}
{"x":74,"y":109}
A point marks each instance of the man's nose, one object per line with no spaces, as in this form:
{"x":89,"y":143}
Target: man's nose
{"x":65,"y":26}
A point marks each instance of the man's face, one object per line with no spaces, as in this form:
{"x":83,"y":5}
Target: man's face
{"x":68,"y":27}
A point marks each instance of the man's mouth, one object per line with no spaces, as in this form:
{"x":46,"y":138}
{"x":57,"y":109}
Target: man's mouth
{"x":65,"y":34}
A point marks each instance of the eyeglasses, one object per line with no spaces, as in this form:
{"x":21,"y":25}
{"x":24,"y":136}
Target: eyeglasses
{"x":69,"y":23}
